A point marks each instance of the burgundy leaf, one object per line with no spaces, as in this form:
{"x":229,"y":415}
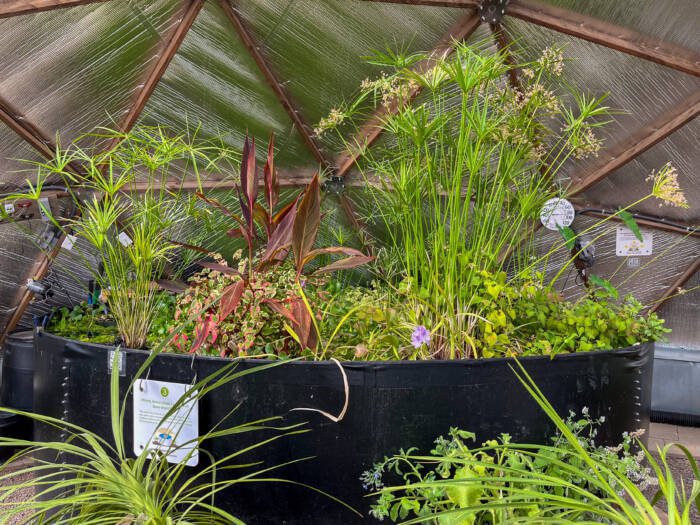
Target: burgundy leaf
{"x":306,"y":223}
{"x":235,"y":233}
{"x":352,"y":252}
{"x":172,"y":285}
{"x":191,"y":247}
{"x":284,"y":211}
{"x":272,"y":185}
{"x":261,"y":215}
{"x":230,"y":299}
{"x":277,"y":307}
{"x":304,"y":327}
{"x":219,"y":267}
{"x":219,"y":206}
{"x":281,"y":238}
{"x":202,"y":332}
{"x":345,"y":264}
{"x":249,"y":181}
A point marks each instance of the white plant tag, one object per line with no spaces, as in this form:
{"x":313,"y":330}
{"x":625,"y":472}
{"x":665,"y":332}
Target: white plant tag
{"x":9,"y":208}
{"x":152,"y":401}
{"x":44,"y":209}
{"x":557,"y":213}
{"x":627,"y":244}
{"x":68,"y":242}
{"x":125,"y":240}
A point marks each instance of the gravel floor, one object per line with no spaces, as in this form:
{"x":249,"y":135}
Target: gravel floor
{"x":18,"y":496}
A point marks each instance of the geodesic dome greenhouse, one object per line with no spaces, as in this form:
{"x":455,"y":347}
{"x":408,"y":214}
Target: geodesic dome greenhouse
{"x":258,"y":66}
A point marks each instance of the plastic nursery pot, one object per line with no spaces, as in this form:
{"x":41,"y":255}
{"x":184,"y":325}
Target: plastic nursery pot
{"x":16,"y":389}
{"x":392,"y":405}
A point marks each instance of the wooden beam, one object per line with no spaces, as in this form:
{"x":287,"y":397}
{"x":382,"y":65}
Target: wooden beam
{"x":589,"y":28}
{"x":504,"y":45}
{"x":165,"y":56}
{"x":24,"y":7}
{"x":648,"y":221}
{"x":678,"y":283}
{"x":25,"y":129}
{"x":609,"y":35}
{"x":271,"y":78}
{"x":433,"y":3}
{"x":636,"y":144}
{"x":370,"y":131}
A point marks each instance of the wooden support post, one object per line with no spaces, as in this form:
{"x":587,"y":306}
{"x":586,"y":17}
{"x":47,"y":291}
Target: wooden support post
{"x":636,"y":144}
{"x":679,"y":282}
{"x":370,"y":131}
{"x":10,"y":8}
{"x":272,"y":81}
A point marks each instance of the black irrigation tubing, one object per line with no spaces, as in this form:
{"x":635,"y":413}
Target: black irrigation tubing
{"x":693,"y":230}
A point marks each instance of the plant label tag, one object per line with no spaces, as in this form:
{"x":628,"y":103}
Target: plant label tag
{"x":173,"y":436}
{"x":125,"y":240}
{"x":557,"y":213}
{"x":633,"y":262}
{"x":45,"y":209}
{"x":122,"y":362}
{"x":68,"y":242}
{"x":627,"y":244}
{"x":9,"y":208}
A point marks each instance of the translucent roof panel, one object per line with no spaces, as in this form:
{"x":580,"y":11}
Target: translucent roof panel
{"x":213,"y":80}
{"x":646,"y":278}
{"x":318,"y":46}
{"x":81,"y":66}
{"x":14,"y":150}
{"x":638,"y":90}
{"x":682,"y":150}
{"x":669,"y":21}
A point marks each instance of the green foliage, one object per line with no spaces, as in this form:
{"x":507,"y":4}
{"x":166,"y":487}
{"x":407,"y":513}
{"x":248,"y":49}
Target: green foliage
{"x":95,"y":324}
{"x":103,"y":483}
{"x":458,"y":476}
{"x":131,"y":229}
{"x":570,"y":481}
{"x":464,"y":173}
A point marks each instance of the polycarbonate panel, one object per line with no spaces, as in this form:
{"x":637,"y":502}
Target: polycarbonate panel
{"x":317,"y":46}
{"x":18,"y":252}
{"x":70,"y":70}
{"x":645,"y":277}
{"x":638,"y":90}
{"x":682,"y":314}
{"x":68,"y":276}
{"x":213,"y":80}
{"x":682,"y":150}
{"x":13,"y":150}
{"x":673,"y":21}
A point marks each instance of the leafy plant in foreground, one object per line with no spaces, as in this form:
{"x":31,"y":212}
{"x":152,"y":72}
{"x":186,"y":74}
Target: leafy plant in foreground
{"x":571,"y":481}
{"x":103,"y":484}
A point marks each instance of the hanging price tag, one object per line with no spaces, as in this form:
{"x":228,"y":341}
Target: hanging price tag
{"x":9,"y":208}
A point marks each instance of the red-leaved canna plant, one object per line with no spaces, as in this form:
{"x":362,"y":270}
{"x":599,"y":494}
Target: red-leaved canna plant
{"x":270,"y":234}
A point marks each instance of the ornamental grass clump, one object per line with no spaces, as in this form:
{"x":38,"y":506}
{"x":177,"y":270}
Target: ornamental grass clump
{"x":458,"y":182}
{"x":129,"y":208}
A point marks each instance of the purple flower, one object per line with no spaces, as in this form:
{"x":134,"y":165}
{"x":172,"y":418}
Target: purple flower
{"x":420,"y":336}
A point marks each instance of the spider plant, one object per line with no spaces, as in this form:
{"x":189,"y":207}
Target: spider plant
{"x":103,"y":484}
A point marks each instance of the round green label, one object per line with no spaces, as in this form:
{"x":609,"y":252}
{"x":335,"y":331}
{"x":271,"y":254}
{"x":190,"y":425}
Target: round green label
{"x":164,"y":392}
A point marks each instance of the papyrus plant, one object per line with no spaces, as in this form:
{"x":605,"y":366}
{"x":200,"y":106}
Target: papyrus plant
{"x":458,"y":181}
{"x":128,"y":208}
